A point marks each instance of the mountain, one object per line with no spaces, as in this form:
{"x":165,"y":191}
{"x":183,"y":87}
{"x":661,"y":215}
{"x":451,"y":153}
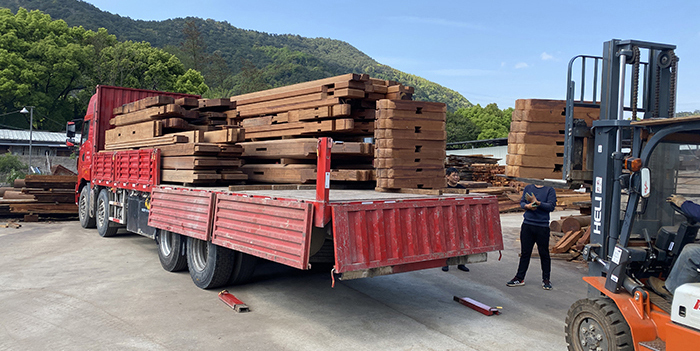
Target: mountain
{"x":280,"y":59}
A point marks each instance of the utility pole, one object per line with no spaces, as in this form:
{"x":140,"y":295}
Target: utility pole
{"x":31,"y":128}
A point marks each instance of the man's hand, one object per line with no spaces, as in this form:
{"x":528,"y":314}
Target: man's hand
{"x":677,"y":200}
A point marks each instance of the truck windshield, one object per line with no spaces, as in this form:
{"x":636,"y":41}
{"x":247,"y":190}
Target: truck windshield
{"x":85,"y":132}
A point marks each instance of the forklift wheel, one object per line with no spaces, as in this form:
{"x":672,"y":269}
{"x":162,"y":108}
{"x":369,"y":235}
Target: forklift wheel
{"x":597,"y":324}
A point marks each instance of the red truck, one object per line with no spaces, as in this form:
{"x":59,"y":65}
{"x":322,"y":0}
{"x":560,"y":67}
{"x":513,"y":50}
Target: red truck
{"x":219,"y":235}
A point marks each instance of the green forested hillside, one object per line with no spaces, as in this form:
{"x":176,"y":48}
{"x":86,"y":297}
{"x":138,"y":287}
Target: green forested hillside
{"x":270,"y":60}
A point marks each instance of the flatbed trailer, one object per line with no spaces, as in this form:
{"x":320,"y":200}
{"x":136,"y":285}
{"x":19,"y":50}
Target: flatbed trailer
{"x":219,"y":234}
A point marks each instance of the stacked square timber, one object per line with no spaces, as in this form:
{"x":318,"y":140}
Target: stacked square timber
{"x":536,"y":138}
{"x":197,"y":146}
{"x":294,"y":161}
{"x":42,"y":194}
{"x":410,"y":144}
{"x":342,"y":105}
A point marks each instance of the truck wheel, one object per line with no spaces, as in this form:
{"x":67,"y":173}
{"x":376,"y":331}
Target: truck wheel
{"x":597,"y":324}
{"x":243,"y":268}
{"x":104,"y":227}
{"x":171,"y":251}
{"x":84,"y":208}
{"x":210,"y":265}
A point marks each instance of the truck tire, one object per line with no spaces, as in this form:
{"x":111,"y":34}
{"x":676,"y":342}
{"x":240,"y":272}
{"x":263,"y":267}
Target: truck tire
{"x":172,"y":251}
{"x":210,"y":265}
{"x":84,"y":208}
{"x":243,"y":268}
{"x":597,"y":324}
{"x":104,"y":227}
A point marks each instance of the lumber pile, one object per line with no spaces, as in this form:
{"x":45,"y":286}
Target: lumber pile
{"x":40,"y":194}
{"x":410,"y":142}
{"x":536,"y":138}
{"x":197,"y":145}
{"x":479,"y":168}
{"x":576,"y":234}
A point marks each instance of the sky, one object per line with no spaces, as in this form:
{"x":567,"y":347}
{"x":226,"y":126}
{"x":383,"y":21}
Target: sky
{"x":489,"y":51}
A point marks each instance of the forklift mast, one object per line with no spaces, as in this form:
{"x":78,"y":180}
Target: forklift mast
{"x":595,"y":154}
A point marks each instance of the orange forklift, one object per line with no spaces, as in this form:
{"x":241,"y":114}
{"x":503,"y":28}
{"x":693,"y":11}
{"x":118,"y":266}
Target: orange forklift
{"x":633,"y":158}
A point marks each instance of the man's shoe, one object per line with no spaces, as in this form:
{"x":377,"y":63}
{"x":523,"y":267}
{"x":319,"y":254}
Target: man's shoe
{"x":446,"y":268}
{"x":462,"y":267}
{"x":515,"y":282}
{"x":546,"y":285}
{"x":658,"y":286}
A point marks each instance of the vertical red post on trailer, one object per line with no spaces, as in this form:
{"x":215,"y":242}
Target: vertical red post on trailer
{"x":322,"y":215}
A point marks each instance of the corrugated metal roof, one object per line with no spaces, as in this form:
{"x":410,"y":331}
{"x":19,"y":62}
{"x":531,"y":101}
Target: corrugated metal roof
{"x":37,"y":136}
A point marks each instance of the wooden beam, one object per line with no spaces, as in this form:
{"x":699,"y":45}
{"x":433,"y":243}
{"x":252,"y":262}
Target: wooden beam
{"x":134,"y":132}
{"x":198,"y":162}
{"x":143,"y":104}
{"x":158,"y":141}
{"x":408,"y":105}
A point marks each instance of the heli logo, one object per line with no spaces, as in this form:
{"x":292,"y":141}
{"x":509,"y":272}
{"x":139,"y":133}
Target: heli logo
{"x":697,"y":305}
{"x":597,"y":214}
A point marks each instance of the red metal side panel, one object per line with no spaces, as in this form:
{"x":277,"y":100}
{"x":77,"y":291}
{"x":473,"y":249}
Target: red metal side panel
{"x":103,"y":166}
{"x":182,"y":211}
{"x":394,"y":233}
{"x":277,"y":230}
{"x":136,"y":166}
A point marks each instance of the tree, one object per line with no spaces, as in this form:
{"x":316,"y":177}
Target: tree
{"x":191,"y":82}
{"x":11,"y":167}
{"x":249,"y":80}
{"x":490,"y":123}
{"x":194,"y":47}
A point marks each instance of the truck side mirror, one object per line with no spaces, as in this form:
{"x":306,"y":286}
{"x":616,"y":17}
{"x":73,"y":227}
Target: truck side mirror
{"x":70,"y":130}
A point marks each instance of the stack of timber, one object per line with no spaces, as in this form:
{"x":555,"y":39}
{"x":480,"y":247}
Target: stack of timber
{"x":40,"y":194}
{"x":478,"y":168}
{"x":341,"y":106}
{"x":294,"y":161}
{"x":197,"y":145}
{"x":410,"y":144}
{"x":536,"y":138}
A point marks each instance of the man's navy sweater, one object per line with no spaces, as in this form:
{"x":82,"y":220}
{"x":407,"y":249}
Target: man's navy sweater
{"x":547,"y":198}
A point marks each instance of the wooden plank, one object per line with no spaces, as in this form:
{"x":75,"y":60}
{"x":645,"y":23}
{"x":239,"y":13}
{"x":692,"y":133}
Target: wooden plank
{"x":143,"y":104}
{"x":276,"y":96}
{"x":302,"y":149}
{"x":352,"y":175}
{"x":258,"y":121}
{"x":411,"y":183}
{"x":413,"y":124}
{"x":533,"y":161}
{"x":278,"y":173}
{"x":435,"y":192}
{"x":405,"y":114}
{"x":530,"y":127}
{"x":299,"y":128}
{"x":193,"y":136}
{"x":189,"y":149}
{"x":176,"y":124}
{"x":50,"y":181}
{"x":198,"y":162}
{"x":536,"y":149}
{"x":529,"y":104}
{"x":157,"y":112}
{"x":567,"y":241}
{"x":17,"y":195}
{"x":282,"y":102}
{"x":216,"y":104}
{"x":405,"y":172}
{"x":416,"y":145}
{"x":187,"y":102}
{"x":134,"y":132}
{"x":223,"y":136}
{"x":409,"y":105}
{"x":541,"y":138}
{"x":188,"y":176}
{"x":555,"y":116}
{"x":408,"y":161}
{"x":349,"y":93}
{"x":299,"y":86}
{"x":44,"y":208}
{"x":432,"y":135}
{"x":340,"y":110}
{"x":158,"y":141}
{"x":261,"y":111}
{"x":657,"y":121}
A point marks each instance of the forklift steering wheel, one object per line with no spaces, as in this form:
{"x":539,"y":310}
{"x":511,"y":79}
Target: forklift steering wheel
{"x":689,"y":218}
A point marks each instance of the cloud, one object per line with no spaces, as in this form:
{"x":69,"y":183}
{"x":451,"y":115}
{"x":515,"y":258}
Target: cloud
{"x":520,"y":65}
{"x":546,"y":57}
{"x":463,"y":72}
{"x":437,"y":22}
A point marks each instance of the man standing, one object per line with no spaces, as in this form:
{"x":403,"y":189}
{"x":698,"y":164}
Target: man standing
{"x":538,"y":201}
{"x":452,"y":177}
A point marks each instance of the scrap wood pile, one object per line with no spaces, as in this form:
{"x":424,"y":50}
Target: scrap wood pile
{"x":479,"y":168}
{"x":40,"y":194}
{"x":508,"y":198}
{"x":536,"y":138}
{"x":275,"y":132}
{"x":196,"y":142}
{"x":574,"y":232}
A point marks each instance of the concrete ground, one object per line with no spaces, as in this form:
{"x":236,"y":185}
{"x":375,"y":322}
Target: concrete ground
{"x":64,"y":287}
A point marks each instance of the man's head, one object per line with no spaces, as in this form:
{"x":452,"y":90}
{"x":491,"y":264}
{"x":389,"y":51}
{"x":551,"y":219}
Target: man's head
{"x":452,"y":176}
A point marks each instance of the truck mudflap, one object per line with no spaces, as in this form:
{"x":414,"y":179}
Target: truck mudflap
{"x":274,"y":229}
{"x":385,"y":237}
